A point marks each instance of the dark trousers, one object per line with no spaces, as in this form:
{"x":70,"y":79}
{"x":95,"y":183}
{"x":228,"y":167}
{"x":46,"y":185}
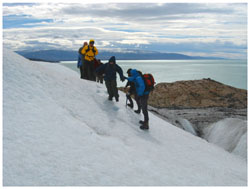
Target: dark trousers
{"x":89,"y":70}
{"x":130,"y":99}
{"x":81,"y":72}
{"x":99,"y":78}
{"x":112,"y":88}
{"x":143,"y":105}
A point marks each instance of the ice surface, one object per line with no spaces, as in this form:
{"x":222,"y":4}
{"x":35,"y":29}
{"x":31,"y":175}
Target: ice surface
{"x":229,"y":133}
{"x":59,"y":130}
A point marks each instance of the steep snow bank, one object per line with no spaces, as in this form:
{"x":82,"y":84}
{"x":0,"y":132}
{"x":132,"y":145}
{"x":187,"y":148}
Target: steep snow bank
{"x":230,"y":134}
{"x":241,"y":148}
{"x":187,"y":126}
{"x":59,"y":130}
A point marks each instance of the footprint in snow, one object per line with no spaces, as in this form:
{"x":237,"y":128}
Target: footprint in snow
{"x":115,"y":108}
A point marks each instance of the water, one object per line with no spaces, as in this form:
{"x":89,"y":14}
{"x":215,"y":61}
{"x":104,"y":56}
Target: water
{"x":229,"y":72}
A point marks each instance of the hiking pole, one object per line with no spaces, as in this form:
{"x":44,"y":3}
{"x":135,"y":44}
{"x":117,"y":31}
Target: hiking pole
{"x":126,"y":100}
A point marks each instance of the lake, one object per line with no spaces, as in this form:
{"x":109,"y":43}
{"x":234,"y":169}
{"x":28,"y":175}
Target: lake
{"x":229,"y":72}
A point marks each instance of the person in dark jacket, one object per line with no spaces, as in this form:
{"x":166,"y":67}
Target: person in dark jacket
{"x":142,"y":96}
{"x":132,"y":91}
{"x":110,"y":69}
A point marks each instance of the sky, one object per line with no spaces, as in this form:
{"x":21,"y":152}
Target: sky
{"x":195,"y":29}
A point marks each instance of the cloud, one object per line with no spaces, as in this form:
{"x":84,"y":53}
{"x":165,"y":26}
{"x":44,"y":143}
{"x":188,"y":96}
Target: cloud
{"x":145,"y":11}
{"x":131,"y":41}
{"x":179,"y":27}
{"x":23,"y":21}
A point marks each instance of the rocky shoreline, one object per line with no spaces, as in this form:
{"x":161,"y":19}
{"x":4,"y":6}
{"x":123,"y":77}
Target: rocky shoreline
{"x":201,"y":102}
{"x":204,"y":93}
{"x":204,"y":108}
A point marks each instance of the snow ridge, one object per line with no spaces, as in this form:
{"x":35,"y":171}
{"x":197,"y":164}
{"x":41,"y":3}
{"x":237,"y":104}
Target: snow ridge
{"x":59,"y":130}
{"x":230,"y":134}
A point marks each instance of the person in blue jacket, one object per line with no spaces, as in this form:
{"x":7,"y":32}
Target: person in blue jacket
{"x":81,"y":60}
{"x":132,"y":91}
{"x":142,"y":96}
{"x":79,"y":65}
{"x":110,"y":69}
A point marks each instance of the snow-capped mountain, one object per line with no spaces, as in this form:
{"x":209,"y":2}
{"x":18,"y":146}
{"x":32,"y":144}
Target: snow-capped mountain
{"x":59,"y":130}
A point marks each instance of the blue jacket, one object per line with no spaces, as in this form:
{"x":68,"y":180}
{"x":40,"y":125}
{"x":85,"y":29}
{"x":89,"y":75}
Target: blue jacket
{"x":79,"y":62}
{"x":110,"y":70}
{"x":139,"y":83}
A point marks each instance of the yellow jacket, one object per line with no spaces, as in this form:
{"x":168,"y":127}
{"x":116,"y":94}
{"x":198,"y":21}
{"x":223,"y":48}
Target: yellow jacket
{"x":88,"y":52}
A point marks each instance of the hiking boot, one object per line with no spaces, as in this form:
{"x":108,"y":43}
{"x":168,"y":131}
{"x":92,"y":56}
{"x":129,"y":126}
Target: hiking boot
{"x":138,"y":111}
{"x":141,"y":122}
{"x":130,"y":105}
{"x":110,"y":98}
{"x":144,"y":126}
{"x":117,"y":99}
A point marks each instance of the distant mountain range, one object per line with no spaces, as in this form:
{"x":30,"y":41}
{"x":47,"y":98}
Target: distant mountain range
{"x":125,"y":54}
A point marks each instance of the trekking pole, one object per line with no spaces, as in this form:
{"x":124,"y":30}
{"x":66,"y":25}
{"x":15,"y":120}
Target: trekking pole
{"x":126,"y":100}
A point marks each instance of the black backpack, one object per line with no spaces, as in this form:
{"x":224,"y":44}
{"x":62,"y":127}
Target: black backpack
{"x":80,"y":50}
{"x":93,"y":49}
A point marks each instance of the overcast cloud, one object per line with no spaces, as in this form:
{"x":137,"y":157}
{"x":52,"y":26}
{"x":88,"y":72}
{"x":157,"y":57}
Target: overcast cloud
{"x":191,"y":29}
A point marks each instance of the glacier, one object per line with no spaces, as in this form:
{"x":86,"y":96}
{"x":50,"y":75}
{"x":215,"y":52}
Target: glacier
{"x":59,"y":130}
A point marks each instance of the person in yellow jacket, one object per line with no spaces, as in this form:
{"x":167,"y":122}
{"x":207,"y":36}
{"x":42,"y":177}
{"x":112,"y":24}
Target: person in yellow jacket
{"x":89,"y":52}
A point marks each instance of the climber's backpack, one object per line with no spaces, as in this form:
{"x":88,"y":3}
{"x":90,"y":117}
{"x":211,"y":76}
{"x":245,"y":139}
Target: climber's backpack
{"x":149,"y":81}
{"x":88,"y":49}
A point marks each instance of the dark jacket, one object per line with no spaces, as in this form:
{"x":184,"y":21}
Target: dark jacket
{"x":97,"y":63}
{"x":110,"y":70}
{"x":132,"y":89}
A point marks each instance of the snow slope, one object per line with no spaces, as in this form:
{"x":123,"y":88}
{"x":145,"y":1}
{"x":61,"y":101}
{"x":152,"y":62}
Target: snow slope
{"x":230,"y":134}
{"x":59,"y":130}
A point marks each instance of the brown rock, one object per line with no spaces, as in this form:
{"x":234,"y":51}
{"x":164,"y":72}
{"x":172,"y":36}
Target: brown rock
{"x":203,"y":93}
{"x":197,"y":94}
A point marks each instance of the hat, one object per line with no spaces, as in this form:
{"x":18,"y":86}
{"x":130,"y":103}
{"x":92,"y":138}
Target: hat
{"x":112,"y":59}
{"x":91,"y":41}
{"x":128,"y":71}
